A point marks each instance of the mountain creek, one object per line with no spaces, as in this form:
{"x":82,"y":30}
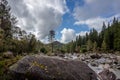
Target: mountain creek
{"x":99,"y":62}
{"x":105,"y":66}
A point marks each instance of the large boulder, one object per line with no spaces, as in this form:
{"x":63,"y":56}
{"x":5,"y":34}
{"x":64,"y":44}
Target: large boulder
{"x":50,"y":68}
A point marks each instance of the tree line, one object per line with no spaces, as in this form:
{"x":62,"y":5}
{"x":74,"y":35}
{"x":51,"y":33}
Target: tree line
{"x":13,"y":38}
{"x":107,"y":40}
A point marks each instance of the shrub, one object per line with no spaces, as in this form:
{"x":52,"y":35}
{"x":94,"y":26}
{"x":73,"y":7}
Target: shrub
{"x":83,"y":50}
{"x":43,"y":50}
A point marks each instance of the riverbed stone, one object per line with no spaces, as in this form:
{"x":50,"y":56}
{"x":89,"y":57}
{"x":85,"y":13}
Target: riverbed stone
{"x":95,"y":56}
{"x":107,"y":75}
{"x":50,"y":68}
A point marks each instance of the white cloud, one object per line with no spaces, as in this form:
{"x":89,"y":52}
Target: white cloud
{"x":39,"y":16}
{"x":96,"y":23}
{"x":82,"y":33}
{"x":67,"y":35}
{"x":94,"y":12}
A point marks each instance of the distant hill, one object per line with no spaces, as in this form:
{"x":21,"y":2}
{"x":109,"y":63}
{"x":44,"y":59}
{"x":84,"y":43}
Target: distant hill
{"x":56,"y":44}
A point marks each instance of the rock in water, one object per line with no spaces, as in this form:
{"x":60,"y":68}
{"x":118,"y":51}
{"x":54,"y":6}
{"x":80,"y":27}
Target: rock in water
{"x":107,"y":75}
{"x":95,"y":56}
{"x":50,"y":68}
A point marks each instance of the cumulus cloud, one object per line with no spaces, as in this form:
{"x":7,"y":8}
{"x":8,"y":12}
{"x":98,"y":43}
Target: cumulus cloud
{"x":38,"y":16}
{"x":97,"y":22}
{"x":94,"y":12}
{"x":67,"y":35}
{"x":82,"y":33}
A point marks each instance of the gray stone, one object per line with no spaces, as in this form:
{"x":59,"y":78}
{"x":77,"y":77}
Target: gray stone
{"x":8,"y":54}
{"x":95,"y":56}
{"x":118,"y":59}
{"x":50,"y":68}
{"x":118,"y":67}
{"x":107,"y":75}
{"x":95,"y":64}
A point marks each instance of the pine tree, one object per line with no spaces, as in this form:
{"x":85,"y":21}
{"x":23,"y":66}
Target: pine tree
{"x":104,"y":26}
{"x":32,"y":43}
{"x":95,"y":46}
{"x":6,"y":19}
{"x":116,"y":42}
{"x":51,"y":38}
{"x":104,"y":46}
{"x":89,"y":45}
{"x":101,"y":35}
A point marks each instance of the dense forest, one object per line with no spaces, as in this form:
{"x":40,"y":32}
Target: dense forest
{"x":108,"y":40}
{"x":18,"y":41}
{"x":13,"y":38}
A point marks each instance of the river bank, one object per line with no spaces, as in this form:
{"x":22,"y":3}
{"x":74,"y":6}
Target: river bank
{"x":98,"y":62}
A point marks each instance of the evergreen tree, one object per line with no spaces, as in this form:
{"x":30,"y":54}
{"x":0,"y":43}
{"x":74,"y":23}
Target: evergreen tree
{"x":104,"y":46}
{"x":32,"y":43}
{"x":89,"y":45}
{"x":116,"y":36}
{"x":93,"y":36}
{"x":6,"y":19}
{"x":51,"y":38}
{"x":95,"y":46}
{"x":108,"y":39}
{"x":101,"y":35}
{"x":103,"y":27}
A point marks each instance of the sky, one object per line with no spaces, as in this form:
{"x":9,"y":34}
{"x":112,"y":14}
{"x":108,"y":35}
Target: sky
{"x":68,"y":18}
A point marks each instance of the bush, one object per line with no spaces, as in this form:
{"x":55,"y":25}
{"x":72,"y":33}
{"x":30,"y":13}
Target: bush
{"x":62,"y":51}
{"x":4,"y":66}
{"x":83,"y":50}
{"x":43,"y":50}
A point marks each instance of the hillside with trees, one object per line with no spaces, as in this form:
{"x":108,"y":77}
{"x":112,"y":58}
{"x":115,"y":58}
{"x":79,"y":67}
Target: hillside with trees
{"x":108,"y":40}
{"x":16,"y":43}
{"x":12,"y":37}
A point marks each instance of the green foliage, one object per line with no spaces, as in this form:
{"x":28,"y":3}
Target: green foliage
{"x":6,"y":19}
{"x":12,"y":38}
{"x":107,"y":40}
{"x":95,"y":46}
{"x":4,"y":66}
{"x":89,"y":45}
{"x":104,"y":46}
{"x":32,"y":43}
{"x":62,"y":51}
{"x":93,"y":35}
{"x":43,"y":50}
{"x":83,"y":50}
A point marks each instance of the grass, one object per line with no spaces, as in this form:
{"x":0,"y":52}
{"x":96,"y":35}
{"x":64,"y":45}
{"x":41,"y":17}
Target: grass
{"x":4,"y":66}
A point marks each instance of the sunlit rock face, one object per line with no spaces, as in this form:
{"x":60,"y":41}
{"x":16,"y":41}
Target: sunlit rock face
{"x":50,"y":68}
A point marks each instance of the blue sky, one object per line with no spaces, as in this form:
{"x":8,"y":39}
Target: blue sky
{"x":68,"y":18}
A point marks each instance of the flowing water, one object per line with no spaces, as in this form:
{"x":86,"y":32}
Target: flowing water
{"x":101,"y":67}
{"x":103,"y":63}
